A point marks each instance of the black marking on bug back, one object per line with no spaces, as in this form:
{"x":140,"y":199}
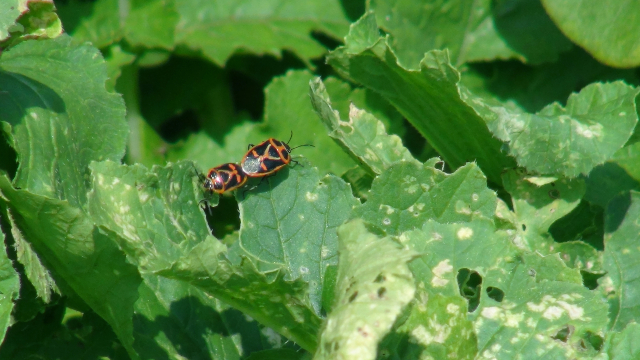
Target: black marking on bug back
{"x":261,"y":149}
{"x":273,"y":152}
{"x":272,"y":164}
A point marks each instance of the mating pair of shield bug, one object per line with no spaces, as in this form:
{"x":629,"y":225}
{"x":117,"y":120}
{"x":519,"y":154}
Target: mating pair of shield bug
{"x":261,"y":160}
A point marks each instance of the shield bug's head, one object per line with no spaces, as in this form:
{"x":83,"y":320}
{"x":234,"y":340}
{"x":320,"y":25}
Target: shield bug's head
{"x":216,"y":181}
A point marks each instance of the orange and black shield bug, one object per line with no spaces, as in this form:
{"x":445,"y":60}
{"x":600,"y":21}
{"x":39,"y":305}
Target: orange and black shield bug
{"x":267,"y":157}
{"x":223,"y":178}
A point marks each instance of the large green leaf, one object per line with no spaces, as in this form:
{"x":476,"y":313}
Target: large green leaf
{"x":609,"y":33}
{"x":373,"y":285}
{"x":80,"y":257}
{"x":621,"y":260}
{"x":407,"y":194}
{"x":62,"y":118}
{"x":568,"y":140}
{"x":363,"y":135}
{"x":219,"y":29}
{"x":290,"y":222}
{"x":471,"y":30}
{"x":431,"y":98}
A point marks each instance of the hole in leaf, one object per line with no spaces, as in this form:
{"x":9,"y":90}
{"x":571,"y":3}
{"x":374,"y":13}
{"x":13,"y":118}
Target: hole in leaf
{"x":524,"y":227}
{"x":223,"y":219}
{"x":470,"y":286}
{"x":592,"y":340}
{"x":564,"y":334}
{"x":382,"y":291}
{"x":495,"y":293}
{"x":554,"y":194}
{"x":590,"y":280}
{"x":532,"y":273}
{"x":353,"y":296}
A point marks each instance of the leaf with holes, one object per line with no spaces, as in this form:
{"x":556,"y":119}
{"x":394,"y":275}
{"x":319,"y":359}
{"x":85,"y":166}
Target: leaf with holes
{"x":525,"y":305}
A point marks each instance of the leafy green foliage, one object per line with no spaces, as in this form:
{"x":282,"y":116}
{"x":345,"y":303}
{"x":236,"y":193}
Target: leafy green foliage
{"x":471,"y":31}
{"x":571,"y":140}
{"x":406,"y":231}
{"x":430,"y":98}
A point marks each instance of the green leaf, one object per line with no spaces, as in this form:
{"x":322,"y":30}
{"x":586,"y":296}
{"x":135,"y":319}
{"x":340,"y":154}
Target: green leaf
{"x":624,"y":345}
{"x":472,"y":31}
{"x":219,"y":29}
{"x":34,"y":270}
{"x":607,"y":33}
{"x":534,"y":305}
{"x":11,"y":11}
{"x":407,"y":194}
{"x":567,"y":140}
{"x":537,"y":207}
{"x":621,"y":260}
{"x":290,"y":223}
{"x":363,"y":135}
{"x":62,"y":118}
{"x":79,"y":256}
{"x":373,"y":285}
{"x":430,"y":99}
{"x":9,"y":288}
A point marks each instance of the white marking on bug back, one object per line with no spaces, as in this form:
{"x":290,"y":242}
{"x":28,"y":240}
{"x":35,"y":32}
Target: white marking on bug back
{"x":251,"y":165}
